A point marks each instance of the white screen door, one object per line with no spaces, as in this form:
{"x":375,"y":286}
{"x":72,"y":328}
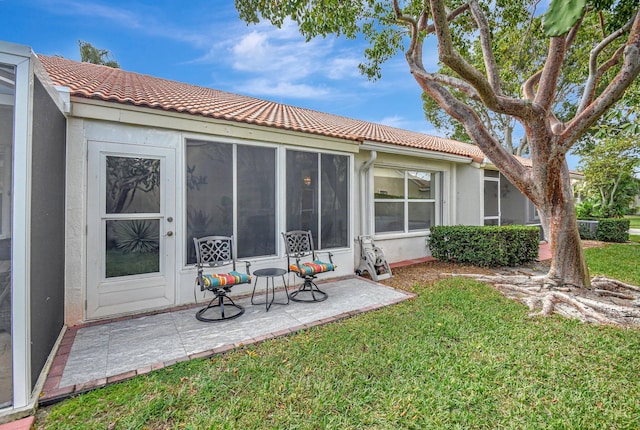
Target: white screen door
{"x":130,"y":229}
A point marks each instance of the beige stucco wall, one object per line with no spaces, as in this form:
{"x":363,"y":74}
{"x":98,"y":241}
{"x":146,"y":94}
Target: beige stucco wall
{"x":469,"y":195}
{"x":460,"y":193}
{"x":93,"y":122}
{"x":457,"y":197}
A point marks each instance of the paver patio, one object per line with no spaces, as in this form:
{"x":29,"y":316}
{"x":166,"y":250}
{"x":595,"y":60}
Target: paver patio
{"x":95,"y":355}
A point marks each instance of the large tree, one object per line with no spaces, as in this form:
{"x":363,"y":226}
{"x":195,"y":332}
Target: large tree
{"x":612,"y":65}
{"x":610,"y":160}
{"x":519,"y":42}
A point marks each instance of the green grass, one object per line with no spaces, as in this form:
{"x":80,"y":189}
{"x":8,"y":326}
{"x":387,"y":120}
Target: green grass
{"x":119,"y":263}
{"x":635,"y":221}
{"x":459,"y":356}
{"x":634,"y":238}
{"x":619,"y":261}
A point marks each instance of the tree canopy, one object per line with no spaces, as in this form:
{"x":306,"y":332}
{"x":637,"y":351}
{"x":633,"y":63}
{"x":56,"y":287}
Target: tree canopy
{"x":93,"y":55}
{"x":611,"y":159}
{"x":486,"y":68}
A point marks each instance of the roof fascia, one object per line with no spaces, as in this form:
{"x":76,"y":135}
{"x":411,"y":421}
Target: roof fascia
{"x":184,"y":122}
{"x":414,"y":152}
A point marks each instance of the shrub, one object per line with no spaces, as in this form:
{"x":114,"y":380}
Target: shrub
{"x":588,"y":229}
{"x":606,"y":230}
{"x":485,"y":245}
{"x":613,"y":230}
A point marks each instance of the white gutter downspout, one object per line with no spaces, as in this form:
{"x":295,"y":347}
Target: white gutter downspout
{"x":364,"y":188}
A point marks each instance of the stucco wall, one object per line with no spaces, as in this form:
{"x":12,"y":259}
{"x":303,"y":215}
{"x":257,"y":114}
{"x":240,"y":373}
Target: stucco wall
{"x":87,"y":131}
{"x":469,"y":195}
{"x":413,"y":245}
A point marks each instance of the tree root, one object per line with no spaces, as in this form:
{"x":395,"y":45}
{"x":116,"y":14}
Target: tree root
{"x":609,"y":301}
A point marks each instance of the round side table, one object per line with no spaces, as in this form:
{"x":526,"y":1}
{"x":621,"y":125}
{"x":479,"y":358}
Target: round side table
{"x":270,"y":273}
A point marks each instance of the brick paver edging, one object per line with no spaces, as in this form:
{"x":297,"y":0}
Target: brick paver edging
{"x":52,"y":393}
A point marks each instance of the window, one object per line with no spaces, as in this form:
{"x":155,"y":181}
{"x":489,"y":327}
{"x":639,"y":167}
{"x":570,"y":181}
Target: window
{"x":491,"y":197}
{"x":405,"y":200}
{"x":317,"y":197}
{"x":216,"y":207}
{"x":532,"y":213}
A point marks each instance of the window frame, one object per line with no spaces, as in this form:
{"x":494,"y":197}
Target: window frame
{"x":318,"y":207}
{"x":496,"y":179}
{"x":234,"y":191}
{"x":436,"y":179}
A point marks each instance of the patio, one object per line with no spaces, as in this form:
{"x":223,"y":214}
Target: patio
{"x":95,"y":355}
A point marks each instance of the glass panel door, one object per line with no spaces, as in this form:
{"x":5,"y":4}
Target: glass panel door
{"x":131,"y":219}
{"x":491,"y":201}
{"x":132,"y":200}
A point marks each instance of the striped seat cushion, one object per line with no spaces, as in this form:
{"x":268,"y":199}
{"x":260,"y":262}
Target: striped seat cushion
{"x":225,"y":279}
{"x":312,"y":268}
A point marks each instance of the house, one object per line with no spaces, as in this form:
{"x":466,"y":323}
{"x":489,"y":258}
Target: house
{"x":107,"y":175}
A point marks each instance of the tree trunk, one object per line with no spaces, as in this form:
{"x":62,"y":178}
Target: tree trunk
{"x":568,"y":264}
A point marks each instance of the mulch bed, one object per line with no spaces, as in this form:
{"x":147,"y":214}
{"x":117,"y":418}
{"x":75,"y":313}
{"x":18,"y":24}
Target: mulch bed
{"x":406,"y":277}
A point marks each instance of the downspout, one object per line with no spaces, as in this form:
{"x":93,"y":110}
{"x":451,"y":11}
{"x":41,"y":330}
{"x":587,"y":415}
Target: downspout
{"x":364,"y":188}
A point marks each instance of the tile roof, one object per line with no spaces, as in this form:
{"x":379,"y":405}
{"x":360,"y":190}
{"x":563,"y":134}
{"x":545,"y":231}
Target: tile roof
{"x":119,"y":86}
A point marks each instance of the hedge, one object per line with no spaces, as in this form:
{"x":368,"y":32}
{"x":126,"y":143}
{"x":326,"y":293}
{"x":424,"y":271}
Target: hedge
{"x":607,"y":230}
{"x":587,"y":230}
{"x":485,"y":245}
{"x":613,"y":230}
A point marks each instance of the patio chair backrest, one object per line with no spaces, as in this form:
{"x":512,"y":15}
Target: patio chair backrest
{"x":298,"y":244}
{"x":214,"y":251}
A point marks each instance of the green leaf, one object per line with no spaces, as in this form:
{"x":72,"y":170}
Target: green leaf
{"x":561,"y":16}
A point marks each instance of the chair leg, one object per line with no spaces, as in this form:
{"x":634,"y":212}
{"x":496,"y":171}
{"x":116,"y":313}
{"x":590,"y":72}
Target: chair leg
{"x":220,"y":304}
{"x":309,"y":288}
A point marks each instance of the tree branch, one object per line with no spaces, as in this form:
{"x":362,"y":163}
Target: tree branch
{"x":453,"y":15}
{"x":528,"y":88}
{"x":594,"y":72}
{"x":451,"y":58}
{"x":487,"y":52}
{"x":615,"y":90}
{"x":544,"y":97}
{"x":449,"y":81}
{"x":519,"y":175}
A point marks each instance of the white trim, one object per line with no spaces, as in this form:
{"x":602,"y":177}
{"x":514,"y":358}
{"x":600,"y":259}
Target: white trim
{"x":492,"y":217}
{"x":21,"y":236}
{"x":138,"y":116}
{"x":437,"y":179}
{"x":414,"y":152}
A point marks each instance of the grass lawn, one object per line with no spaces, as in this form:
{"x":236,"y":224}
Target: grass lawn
{"x":460,"y":355}
{"x":634,"y":221}
{"x":617,"y":261}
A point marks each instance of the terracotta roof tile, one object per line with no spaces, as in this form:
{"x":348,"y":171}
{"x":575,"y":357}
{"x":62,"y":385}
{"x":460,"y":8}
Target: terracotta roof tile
{"x":119,"y":86}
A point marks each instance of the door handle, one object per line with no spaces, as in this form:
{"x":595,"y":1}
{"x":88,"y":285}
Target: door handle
{"x":169,"y":233}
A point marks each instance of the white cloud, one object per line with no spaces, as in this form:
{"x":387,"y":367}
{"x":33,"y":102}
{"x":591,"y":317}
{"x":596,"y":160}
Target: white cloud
{"x":274,"y":61}
{"x":141,"y":17}
{"x":393,"y":121}
{"x":417,"y":125}
{"x":340,"y":68}
{"x":267,"y":88}
{"x":119,"y":15}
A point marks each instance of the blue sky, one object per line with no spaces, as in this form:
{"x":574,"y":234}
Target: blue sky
{"x":205,"y":43}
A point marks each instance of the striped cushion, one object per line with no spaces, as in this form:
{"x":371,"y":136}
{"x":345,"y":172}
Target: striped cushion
{"x":225,"y":279}
{"x":312,"y":268}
